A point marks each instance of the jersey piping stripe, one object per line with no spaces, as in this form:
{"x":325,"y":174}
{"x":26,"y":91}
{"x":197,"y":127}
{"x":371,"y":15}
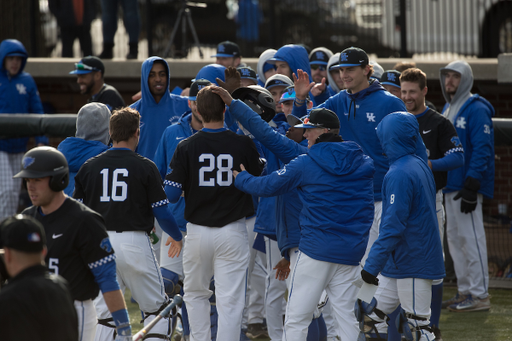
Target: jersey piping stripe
{"x":80,"y":200}
{"x":172,"y":183}
{"x":160,"y":203}
{"x":102,"y":261}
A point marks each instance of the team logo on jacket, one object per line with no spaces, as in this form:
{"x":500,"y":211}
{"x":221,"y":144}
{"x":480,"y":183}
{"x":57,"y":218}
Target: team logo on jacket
{"x":22,"y":89}
{"x":370,"y":116}
{"x":27,"y":161}
{"x":105,"y":245}
{"x":461,"y":123}
{"x":174,"y":119}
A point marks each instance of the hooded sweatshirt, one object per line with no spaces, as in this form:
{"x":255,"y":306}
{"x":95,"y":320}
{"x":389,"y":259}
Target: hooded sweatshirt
{"x":266,"y":55}
{"x":359,"y":115}
{"x":409,"y":245}
{"x":335,"y":182}
{"x":18,"y":94}
{"x":472,"y":117}
{"x":297,"y":58}
{"x":332,"y":87}
{"x":155,"y":117}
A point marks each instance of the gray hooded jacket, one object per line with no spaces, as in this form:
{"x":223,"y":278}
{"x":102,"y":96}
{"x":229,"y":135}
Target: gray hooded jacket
{"x":463,"y":91}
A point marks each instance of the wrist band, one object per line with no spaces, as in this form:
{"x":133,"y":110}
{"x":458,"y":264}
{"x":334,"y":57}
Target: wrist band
{"x":299,"y":102}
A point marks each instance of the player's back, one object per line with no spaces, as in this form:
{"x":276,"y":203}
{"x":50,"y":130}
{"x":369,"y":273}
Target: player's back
{"x":202,"y":165}
{"x":122,"y":186}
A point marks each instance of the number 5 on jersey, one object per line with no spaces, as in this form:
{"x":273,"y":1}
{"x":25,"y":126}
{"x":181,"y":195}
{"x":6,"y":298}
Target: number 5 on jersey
{"x":119,"y":188}
{"x":224,"y":175}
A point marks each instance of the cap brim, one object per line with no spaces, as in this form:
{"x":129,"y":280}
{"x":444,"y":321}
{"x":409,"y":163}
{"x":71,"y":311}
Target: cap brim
{"x":225,"y":55}
{"x":293,"y":120}
{"x":389,"y":83}
{"x":274,"y":85}
{"x":335,"y":67}
{"x":274,"y":60}
{"x":80,"y":72}
{"x":16,"y":54}
{"x":286,"y":100}
{"x":251,"y":78}
{"x":192,"y":98}
{"x":317,"y":62}
{"x":306,"y":126}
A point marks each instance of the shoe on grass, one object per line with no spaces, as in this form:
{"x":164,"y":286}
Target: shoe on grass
{"x":471,"y":304}
{"x":454,"y":300}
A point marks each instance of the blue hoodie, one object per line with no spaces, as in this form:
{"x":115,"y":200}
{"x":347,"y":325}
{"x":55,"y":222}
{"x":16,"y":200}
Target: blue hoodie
{"x":155,"y":117}
{"x":335,"y":182}
{"x":409,"y":245}
{"x":77,"y":151}
{"x":163,"y":156}
{"x":18,"y":94}
{"x":359,"y":115}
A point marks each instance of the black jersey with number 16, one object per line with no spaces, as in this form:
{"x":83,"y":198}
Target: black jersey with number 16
{"x":202,"y":167}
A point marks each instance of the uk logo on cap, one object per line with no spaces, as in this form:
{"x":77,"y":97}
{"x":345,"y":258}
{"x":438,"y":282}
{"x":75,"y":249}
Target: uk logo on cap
{"x":27,"y":161}
{"x":245,"y":72}
{"x":221,"y":48}
{"x":320,"y":55}
{"x":344,"y":57}
{"x":391,"y":77}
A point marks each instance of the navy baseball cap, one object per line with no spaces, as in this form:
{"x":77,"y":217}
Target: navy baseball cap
{"x":247,"y":73}
{"x":227,"y":49}
{"x":22,"y":233}
{"x":353,"y":56}
{"x":87,"y":65}
{"x":278,"y":80}
{"x":319,"y":57}
{"x":391,"y":77}
{"x":320,"y":118}
{"x":196,"y":87}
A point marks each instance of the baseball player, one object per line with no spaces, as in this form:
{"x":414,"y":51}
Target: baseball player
{"x":390,"y":80}
{"x":466,"y":186}
{"x":318,"y":60}
{"x":407,"y":264}
{"x":79,"y":248}
{"x":33,"y":295}
{"x":444,"y":152}
{"x":334,"y":178}
{"x":126,"y":189}
{"x":216,"y":233}
{"x":360,"y":108}
{"x":264,"y":69}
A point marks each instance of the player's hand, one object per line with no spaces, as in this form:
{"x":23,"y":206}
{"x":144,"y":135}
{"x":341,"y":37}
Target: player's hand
{"x":282,"y":269}
{"x":469,"y":195}
{"x":223,"y":93}
{"x":369,"y":278}
{"x":430,"y":164}
{"x":185,"y":92}
{"x":175,"y":248}
{"x":232,"y":77}
{"x":235,"y":172}
{"x":302,"y":84}
{"x":137,"y":96}
{"x":318,"y":88}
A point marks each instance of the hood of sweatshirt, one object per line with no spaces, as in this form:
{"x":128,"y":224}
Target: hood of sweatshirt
{"x":463,"y":91}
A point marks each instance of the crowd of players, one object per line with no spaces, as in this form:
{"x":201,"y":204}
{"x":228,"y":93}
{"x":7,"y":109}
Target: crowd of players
{"x":283,"y":186}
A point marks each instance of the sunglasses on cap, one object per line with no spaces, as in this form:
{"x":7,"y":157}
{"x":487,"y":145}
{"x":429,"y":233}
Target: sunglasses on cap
{"x":81,"y":66}
{"x":316,"y":67}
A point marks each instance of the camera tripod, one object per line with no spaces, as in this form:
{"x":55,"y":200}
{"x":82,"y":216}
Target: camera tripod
{"x":186,"y":18}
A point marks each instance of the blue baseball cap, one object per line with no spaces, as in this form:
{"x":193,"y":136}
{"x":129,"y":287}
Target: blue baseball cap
{"x":352,"y":56}
{"x":289,"y":95}
{"x":320,"y":56}
{"x":196,"y":87}
{"x":391,"y":77}
{"x":87,"y":65}
{"x":227,"y":49}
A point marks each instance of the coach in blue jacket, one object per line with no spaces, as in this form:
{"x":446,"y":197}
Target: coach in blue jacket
{"x":335,"y":179}
{"x":408,"y":252}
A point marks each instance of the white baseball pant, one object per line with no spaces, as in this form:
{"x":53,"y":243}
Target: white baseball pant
{"x":223,"y":253}
{"x":86,"y":320}
{"x":468,"y":248}
{"x":309,"y":278}
{"x":275,"y":291}
{"x":414,"y":294}
{"x":138,"y":270}
{"x":374,"y":231}
{"x":440,"y":221}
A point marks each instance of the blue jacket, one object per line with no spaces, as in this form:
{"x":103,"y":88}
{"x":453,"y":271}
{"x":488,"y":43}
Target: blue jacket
{"x":170,"y":138}
{"x":77,"y":151}
{"x":335,"y":182}
{"x":409,"y":245}
{"x":359,"y":115}
{"x":18,"y":94}
{"x":155,"y":117}
{"x":297,"y":58}
{"x":473,"y":124}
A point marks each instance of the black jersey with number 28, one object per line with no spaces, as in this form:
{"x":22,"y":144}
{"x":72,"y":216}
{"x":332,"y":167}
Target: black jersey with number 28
{"x":202,"y":166}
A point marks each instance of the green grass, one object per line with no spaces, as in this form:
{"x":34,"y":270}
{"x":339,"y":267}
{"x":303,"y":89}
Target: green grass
{"x":495,"y":325}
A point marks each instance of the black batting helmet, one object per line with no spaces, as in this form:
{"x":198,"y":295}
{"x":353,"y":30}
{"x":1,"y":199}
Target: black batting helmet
{"x":258,"y":99}
{"x":41,"y":162}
